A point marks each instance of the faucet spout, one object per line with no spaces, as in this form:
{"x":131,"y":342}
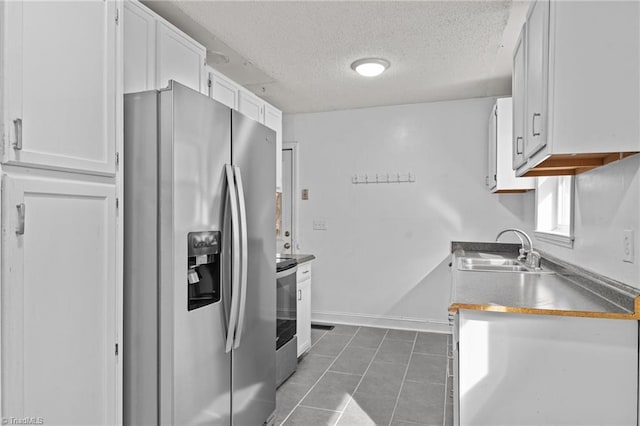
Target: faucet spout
{"x":530,"y":256}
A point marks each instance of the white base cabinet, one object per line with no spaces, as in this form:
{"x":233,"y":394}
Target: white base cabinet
{"x":59,"y":301}
{"x":303,"y":316}
{"x":516,"y":369}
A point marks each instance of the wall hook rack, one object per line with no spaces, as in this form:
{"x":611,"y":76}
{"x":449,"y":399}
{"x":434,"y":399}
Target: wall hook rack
{"x":384,"y":177}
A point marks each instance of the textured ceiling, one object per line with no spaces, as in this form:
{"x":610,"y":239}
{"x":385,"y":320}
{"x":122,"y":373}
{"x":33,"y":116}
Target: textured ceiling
{"x":297,"y":55}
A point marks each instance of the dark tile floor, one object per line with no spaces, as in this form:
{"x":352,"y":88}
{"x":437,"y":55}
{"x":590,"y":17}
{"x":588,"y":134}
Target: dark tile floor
{"x":369,"y":376}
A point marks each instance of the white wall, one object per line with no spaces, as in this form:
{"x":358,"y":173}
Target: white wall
{"x":384,"y":258}
{"x":607,"y":202}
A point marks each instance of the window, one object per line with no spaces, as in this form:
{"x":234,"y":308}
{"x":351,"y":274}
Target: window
{"x":554,"y":210}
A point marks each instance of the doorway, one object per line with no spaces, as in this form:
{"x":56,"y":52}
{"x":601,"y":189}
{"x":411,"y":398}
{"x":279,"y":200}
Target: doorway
{"x":287,"y":241}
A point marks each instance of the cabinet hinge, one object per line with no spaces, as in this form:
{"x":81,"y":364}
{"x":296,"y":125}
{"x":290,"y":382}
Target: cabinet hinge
{"x":116,"y":349}
{"x":117,"y":16}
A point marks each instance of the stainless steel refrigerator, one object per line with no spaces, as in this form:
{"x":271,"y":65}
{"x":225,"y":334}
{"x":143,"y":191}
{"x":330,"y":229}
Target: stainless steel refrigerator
{"x":199,"y":270}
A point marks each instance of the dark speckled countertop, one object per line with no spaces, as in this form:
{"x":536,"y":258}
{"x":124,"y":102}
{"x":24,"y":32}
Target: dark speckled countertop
{"x":567,"y":291}
{"x":300,"y":258}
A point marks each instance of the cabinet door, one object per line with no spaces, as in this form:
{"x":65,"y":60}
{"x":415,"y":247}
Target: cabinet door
{"x":60,"y":84}
{"x":251,"y":105}
{"x":178,"y":58}
{"x":537,"y":72}
{"x":273,"y":120}
{"x":492,"y":165}
{"x":223,"y":90}
{"x":59,"y":312}
{"x":303,"y":325}
{"x":139,"y":47}
{"x":519,"y":105}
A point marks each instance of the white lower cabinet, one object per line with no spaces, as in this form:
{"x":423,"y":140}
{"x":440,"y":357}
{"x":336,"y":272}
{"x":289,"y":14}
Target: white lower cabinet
{"x":303,"y":317}
{"x":59,"y":301}
{"x":518,"y":369}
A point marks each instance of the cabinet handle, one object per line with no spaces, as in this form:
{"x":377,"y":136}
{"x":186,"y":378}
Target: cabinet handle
{"x":518,"y":149}
{"x":17,"y":123}
{"x":533,"y":124}
{"x":21,"y":211}
{"x":299,"y":294}
{"x":305,"y":272}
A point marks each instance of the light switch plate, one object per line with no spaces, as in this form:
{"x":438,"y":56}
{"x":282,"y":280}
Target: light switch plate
{"x":628,"y":246}
{"x":320,"y":225}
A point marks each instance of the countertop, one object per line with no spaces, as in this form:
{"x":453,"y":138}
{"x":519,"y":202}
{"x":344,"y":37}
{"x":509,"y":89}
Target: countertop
{"x":300,"y":258}
{"x":568,"y":291}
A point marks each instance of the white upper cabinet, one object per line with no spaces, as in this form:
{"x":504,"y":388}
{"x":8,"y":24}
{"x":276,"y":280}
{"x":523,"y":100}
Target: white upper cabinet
{"x":223,"y":89}
{"x":273,"y":120}
{"x":581,"y":106}
{"x":59,"y":301}
{"x":519,"y":106}
{"x":139,"y":47}
{"x":179,"y":58}
{"x":501,"y":177}
{"x":251,"y":105}
{"x":155,"y":52}
{"x":537,"y":57}
{"x":60,"y":71}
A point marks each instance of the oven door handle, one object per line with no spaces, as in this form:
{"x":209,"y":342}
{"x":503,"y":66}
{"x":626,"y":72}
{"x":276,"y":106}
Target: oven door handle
{"x":286,"y":272}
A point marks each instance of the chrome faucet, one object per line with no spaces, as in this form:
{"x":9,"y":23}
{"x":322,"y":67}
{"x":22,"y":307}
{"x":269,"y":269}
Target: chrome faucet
{"x":530,"y":256}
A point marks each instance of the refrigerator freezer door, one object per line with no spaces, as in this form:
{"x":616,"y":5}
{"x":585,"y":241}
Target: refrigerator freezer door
{"x":253,"y":376}
{"x":194,"y":148}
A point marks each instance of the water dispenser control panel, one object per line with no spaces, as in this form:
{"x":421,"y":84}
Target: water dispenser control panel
{"x":203,"y":274}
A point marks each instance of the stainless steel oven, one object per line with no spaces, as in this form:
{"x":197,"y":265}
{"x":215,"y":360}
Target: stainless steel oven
{"x":286,"y":342}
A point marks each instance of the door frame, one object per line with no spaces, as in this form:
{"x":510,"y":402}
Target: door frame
{"x":295,"y":200}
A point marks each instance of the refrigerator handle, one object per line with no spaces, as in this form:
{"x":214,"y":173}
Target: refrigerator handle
{"x":244,"y":249}
{"x":235,"y":251}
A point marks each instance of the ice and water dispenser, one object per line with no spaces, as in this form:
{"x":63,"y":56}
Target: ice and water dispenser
{"x":203,"y":275}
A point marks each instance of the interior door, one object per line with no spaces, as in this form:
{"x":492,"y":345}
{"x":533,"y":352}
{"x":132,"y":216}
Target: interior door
{"x":60,"y":84}
{"x":59,"y":303}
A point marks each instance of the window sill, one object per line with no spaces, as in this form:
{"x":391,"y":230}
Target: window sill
{"x":555,"y":239}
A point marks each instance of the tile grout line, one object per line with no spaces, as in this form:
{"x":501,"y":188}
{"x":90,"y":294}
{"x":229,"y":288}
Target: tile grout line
{"x":321,"y":376}
{"x":404,"y":377}
{"x":362,"y":378}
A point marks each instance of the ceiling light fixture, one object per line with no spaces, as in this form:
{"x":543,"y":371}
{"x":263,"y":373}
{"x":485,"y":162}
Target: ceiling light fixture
{"x":370,"y":67}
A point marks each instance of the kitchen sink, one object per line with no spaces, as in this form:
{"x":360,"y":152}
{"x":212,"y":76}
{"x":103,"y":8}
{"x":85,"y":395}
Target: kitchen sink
{"x":495,"y":265}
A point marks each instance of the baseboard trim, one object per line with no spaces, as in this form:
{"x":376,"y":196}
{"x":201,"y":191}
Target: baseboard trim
{"x":381,"y":321}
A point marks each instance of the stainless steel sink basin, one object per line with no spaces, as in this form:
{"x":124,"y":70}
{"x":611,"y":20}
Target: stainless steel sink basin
{"x":470,"y":261}
{"x":495,"y":265}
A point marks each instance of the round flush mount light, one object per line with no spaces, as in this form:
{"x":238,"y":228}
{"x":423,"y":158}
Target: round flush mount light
{"x":370,"y":67}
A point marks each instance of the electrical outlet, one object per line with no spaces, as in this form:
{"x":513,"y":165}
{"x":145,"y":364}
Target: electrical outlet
{"x":628,"y":246}
{"x":320,"y":225}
